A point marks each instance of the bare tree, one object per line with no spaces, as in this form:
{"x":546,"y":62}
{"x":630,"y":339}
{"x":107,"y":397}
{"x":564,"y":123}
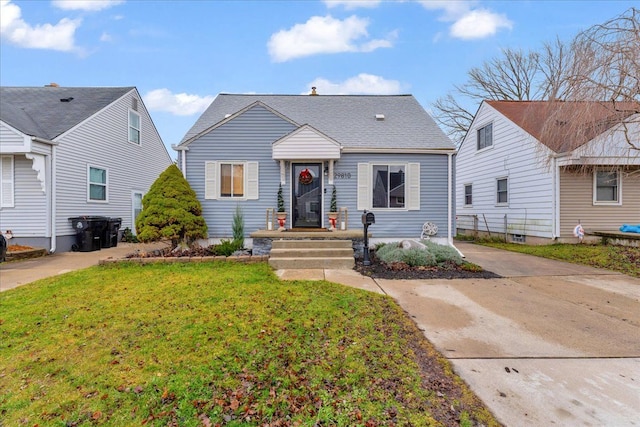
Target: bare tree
{"x":600,"y":69}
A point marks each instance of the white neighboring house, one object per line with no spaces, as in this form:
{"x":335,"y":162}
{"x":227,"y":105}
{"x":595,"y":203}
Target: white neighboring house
{"x":508,"y":183}
{"x":73,"y":151}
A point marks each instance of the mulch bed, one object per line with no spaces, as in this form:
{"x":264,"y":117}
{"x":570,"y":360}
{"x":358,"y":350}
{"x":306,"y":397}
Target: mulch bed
{"x":402,"y":271}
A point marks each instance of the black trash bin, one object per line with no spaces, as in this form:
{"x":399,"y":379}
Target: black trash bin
{"x":3,"y":248}
{"x":110,"y":236}
{"x":89,"y":232}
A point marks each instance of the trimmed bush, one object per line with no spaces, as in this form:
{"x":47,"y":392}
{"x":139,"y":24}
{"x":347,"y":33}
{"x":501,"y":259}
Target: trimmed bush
{"x":443,"y":253}
{"x":413,"y":257}
{"x":171,"y":210}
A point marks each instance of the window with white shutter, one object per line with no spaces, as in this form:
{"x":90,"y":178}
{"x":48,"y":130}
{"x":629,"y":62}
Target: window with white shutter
{"x":231,"y":180}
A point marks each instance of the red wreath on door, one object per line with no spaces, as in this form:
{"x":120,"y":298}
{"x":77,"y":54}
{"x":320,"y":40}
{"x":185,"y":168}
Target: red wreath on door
{"x":305,"y":177}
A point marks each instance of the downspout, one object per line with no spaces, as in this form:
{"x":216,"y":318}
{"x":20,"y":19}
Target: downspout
{"x":53,"y":200}
{"x":449,"y":203}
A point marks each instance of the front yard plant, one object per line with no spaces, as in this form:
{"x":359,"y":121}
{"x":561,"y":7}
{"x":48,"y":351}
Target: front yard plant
{"x":215,"y":343}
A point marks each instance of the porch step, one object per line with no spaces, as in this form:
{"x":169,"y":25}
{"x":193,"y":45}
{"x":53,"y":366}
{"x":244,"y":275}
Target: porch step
{"x":307,"y":254}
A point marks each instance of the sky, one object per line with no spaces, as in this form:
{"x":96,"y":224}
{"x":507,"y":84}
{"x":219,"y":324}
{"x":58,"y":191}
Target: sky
{"x":181,"y":54}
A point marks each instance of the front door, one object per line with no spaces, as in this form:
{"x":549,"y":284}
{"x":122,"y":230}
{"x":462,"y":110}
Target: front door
{"x":307,"y":195}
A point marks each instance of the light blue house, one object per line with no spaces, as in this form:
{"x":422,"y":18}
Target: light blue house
{"x":73,"y":151}
{"x":383,"y":154}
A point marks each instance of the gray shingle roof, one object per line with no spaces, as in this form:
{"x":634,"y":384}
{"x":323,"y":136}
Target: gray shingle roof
{"x":38,"y":111}
{"x":349,"y":119}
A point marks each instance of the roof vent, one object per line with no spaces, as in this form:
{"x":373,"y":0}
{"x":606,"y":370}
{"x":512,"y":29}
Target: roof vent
{"x":52,"y":84}
{"x":69,"y":99}
{"x":227,"y":115}
{"x":379,"y":117}
{"x":313,"y":91}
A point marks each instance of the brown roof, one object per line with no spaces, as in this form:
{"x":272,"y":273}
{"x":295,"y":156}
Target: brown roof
{"x":565,"y":125}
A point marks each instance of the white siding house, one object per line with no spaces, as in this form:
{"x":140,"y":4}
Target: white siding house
{"x":510,"y":184}
{"x":69,"y":152}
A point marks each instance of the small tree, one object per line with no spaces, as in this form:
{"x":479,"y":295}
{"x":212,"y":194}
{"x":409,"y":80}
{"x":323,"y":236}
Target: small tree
{"x":171,"y":210}
{"x":238,"y":227}
{"x":280,"y":199}
{"x":334,"y":201}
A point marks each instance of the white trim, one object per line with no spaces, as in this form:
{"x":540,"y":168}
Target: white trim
{"x":38,"y":165}
{"x":370,"y":150}
{"x":106,"y":184}
{"x":7,"y":182}
{"x":497,"y":203}
{"x":364,"y":186}
{"x":412,"y":187}
{"x":133,"y":208}
{"x":210,"y":180}
{"x":130,"y":126}
{"x":464,"y":195}
{"x":597,"y":202}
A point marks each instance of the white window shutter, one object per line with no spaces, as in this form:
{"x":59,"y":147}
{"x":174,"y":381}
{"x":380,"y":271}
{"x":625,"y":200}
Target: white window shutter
{"x":210,"y":175}
{"x":252,"y":180}
{"x":413,"y":195}
{"x":364,"y":187}
{"x":6,"y":182}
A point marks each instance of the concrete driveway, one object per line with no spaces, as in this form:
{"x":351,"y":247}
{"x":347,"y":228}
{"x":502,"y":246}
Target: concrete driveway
{"x":551,"y":343}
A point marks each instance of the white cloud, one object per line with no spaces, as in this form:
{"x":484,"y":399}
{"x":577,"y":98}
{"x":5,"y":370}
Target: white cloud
{"x":323,"y":34}
{"x":352,"y":4}
{"x":468,"y":23}
{"x":106,"y":37}
{"x":478,"y":24}
{"x":179,"y":104}
{"x":46,"y":36}
{"x":88,"y":5}
{"x":362,"y":84}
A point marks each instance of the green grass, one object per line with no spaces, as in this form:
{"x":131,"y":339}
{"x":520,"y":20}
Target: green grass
{"x":213,"y":344}
{"x":623,"y":259}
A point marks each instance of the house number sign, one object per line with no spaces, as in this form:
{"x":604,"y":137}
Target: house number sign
{"x":342,"y":175}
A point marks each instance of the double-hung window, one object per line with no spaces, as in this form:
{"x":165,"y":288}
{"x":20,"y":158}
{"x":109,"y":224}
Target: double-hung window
{"x":134,"y":127}
{"x":606,"y":187}
{"x":231,"y":180}
{"x":468,"y":194}
{"x":502,"y":191}
{"x":485,"y":136}
{"x":97,"y":181}
{"x":388,"y":186}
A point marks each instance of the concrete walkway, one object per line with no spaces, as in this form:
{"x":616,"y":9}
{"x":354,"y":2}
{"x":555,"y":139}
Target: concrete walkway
{"x":550,"y":343}
{"x":14,"y":274}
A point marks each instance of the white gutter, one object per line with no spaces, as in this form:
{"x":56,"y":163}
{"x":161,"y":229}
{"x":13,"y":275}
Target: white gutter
{"x":450,"y":204}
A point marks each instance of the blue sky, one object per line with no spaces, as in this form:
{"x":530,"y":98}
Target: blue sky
{"x":181,"y":54}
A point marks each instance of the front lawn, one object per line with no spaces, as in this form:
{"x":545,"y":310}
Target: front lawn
{"x":205,"y":344}
{"x":623,"y":259}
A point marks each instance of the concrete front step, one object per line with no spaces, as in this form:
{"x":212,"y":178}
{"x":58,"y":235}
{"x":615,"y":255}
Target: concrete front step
{"x":307,"y":254}
{"x":308,"y":243}
{"x":307,"y":263}
{"x":311,"y":252}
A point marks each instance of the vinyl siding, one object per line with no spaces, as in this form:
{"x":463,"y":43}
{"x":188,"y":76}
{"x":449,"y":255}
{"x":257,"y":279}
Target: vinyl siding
{"x":102,"y":141}
{"x":28,"y":216}
{"x":12,"y":141}
{"x":576,"y":204}
{"x":517,"y":156}
{"x":249,"y":137}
